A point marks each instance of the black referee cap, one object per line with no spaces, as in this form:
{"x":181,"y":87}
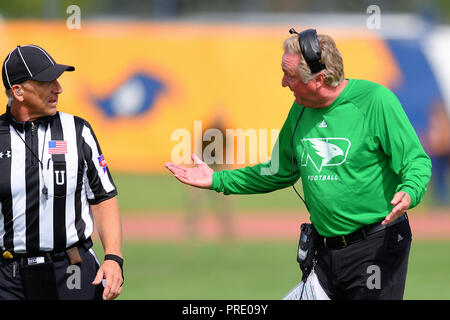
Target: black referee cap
{"x":30,"y":62}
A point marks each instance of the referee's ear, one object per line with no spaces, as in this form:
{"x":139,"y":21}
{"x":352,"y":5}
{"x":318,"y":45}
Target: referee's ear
{"x":17,"y":92}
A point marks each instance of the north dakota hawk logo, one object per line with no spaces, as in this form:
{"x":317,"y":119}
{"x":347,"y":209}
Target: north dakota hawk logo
{"x":325,"y":152}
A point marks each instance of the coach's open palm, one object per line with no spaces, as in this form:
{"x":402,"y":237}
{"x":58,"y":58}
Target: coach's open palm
{"x":200,"y":175}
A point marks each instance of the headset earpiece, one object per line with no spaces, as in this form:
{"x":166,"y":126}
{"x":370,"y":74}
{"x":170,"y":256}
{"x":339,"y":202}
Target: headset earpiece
{"x":18,"y":92}
{"x":309,"y":44}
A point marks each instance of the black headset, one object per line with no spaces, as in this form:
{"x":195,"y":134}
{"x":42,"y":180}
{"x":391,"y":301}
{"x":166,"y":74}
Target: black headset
{"x":309,"y":44}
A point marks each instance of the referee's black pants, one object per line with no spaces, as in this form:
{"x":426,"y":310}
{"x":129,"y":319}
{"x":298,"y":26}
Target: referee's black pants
{"x":371,"y":269}
{"x":73,"y":282}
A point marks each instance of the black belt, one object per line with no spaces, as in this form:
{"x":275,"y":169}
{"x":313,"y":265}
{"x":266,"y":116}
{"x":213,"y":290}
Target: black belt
{"x":360,"y":234}
{"x":10,"y":255}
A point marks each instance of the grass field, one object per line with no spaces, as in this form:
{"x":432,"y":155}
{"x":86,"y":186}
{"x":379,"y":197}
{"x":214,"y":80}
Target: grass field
{"x":236,"y":269}
{"x":266,"y":271}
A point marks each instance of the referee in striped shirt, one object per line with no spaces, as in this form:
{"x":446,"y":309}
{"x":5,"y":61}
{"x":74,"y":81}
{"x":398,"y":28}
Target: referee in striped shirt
{"x":54,"y":183}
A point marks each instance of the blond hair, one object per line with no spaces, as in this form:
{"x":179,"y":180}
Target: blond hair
{"x":331,"y":57}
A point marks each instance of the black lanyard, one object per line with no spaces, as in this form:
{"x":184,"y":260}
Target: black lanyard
{"x":44,"y":188}
{"x":292,"y":158}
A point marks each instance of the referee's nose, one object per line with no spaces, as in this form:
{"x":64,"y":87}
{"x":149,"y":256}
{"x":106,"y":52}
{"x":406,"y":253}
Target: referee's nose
{"x":56,"y":87}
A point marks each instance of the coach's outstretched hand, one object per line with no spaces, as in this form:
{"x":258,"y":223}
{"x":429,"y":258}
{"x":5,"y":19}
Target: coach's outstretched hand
{"x":401,"y":203}
{"x":200,"y":175}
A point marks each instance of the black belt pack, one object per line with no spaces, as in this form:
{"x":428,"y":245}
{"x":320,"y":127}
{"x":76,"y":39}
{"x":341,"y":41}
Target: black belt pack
{"x":306,"y":248}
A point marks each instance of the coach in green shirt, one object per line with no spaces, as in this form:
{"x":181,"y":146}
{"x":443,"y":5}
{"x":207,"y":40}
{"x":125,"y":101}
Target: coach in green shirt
{"x":361,"y":165}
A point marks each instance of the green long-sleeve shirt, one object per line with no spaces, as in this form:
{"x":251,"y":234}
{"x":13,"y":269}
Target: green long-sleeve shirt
{"x":352,"y":157}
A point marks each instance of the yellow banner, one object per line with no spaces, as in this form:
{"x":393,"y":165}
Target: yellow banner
{"x":144,"y":87}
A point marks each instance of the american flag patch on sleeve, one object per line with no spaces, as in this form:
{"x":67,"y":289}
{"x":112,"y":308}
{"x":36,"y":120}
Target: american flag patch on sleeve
{"x":102,"y":162}
{"x":57,"y":147}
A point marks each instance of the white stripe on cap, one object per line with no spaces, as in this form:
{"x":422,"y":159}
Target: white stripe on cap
{"x":6,"y":69}
{"x":24,"y":62}
{"x":31,"y":45}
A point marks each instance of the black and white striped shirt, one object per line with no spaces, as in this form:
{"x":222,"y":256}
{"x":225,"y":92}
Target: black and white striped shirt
{"x":61,"y":155}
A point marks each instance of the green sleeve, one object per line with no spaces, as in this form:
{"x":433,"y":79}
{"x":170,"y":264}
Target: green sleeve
{"x":279,"y":172}
{"x":400,"y":143}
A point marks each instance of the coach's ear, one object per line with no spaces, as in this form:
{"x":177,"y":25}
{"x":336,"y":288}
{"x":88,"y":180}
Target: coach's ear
{"x":319,"y":81}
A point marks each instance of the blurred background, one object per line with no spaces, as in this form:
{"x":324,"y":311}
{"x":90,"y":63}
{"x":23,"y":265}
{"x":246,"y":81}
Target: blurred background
{"x":152,"y":77}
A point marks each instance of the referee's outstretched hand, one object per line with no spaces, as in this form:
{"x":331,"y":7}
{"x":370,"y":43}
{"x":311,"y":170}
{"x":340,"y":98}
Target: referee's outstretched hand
{"x":112,"y":273}
{"x":200,"y":175}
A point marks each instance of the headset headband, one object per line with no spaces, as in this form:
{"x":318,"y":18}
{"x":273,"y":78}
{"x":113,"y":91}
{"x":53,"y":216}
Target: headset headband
{"x":309,"y":44}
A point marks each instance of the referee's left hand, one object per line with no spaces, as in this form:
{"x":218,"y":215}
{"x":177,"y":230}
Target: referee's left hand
{"x":401,"y":203}
{"x":111,"y":272}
